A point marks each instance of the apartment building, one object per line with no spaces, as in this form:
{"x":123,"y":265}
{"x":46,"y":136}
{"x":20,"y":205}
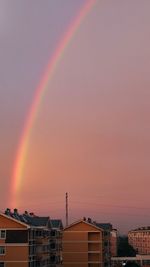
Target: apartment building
{"x":84,"y":245}
{"x":139,"y":239}
{"x":25,"y":240}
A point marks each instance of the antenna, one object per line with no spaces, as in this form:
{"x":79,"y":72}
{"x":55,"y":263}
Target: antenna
{"x":66,"y":209}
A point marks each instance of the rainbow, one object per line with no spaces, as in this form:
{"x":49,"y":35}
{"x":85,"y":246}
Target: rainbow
{"x":21,"y":155}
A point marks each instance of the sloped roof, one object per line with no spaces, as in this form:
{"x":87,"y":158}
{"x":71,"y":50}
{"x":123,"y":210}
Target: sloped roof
{"x":14,"y":220}
{"x":144,"y":228}
{"x":85,"y":222}
{"x":37,"y":221}
{"x":28,"y":219}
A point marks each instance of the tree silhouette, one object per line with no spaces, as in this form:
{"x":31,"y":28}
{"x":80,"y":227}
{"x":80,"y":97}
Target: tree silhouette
{"x":124,"y":249}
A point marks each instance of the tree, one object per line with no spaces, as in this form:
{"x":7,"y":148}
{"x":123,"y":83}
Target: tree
{"x":124,"y":249}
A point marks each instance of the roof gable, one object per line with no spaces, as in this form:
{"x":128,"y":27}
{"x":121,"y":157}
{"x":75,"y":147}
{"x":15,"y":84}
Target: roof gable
{"x":83,"y":226}
{"x":9,"y":222}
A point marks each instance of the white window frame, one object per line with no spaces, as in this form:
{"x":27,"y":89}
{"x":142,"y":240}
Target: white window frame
{"x":2,"y":249}
{"x":1,"y":235}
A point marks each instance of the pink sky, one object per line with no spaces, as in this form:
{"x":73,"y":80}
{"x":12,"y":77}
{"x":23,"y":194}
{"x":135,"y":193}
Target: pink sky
{"x":92,"y":135}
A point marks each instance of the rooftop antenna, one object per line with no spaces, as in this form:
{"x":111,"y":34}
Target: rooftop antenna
{"x":66,"y":209}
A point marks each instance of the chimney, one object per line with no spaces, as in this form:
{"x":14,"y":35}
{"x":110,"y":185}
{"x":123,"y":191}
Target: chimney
{"x":7,"y":211}
{"x":89,"y":220}
{"x":26,"y":213}
{"x":15,"y":211}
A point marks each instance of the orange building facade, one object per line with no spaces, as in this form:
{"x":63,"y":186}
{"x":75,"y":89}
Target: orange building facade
{"x":83,"y":246}
{"x":28,"y":241}
{"x":14,"y":249}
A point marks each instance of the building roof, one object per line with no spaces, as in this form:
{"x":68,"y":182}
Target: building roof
{"x":28,"y":218}
{"x":14,"y":219}
{"x":37,"y":221}
{"x":100,"y":226}
{"x":147,"y":228}
{"x":86,"y":222}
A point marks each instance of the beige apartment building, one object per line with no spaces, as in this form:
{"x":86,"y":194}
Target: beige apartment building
{"x":139,"y":239}
{"x":83,"y":246}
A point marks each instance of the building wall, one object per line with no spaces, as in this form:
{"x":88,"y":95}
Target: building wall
{"x":113,"y":242}
{"x":15,"y":253}
{"x":17,"y":264}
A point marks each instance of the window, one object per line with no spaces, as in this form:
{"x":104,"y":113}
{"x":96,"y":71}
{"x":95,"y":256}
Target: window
{"x":2,"y":234}
{"x":1,"y":264}
{"x":53,"y":232}
{"x":53,"y":245}
{"x":17,"y":236}
{"x":2,"y":250}
{"x":53,"y":259}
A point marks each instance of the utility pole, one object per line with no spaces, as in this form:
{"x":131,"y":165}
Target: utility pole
{"x":66,"y":209}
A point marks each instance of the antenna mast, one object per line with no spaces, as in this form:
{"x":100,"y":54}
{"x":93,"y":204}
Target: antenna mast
{"x":66,"y":209}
